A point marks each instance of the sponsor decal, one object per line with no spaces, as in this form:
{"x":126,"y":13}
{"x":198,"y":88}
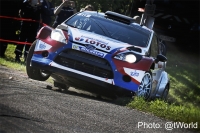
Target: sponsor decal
{"x":86,"y":50}
{"x":90,"y":47}
{"x":85,"y":15}
{"x":92,"y":52}
{"x":94,"y":42}
{"x":40,"y":45}
{"x":134,"y":74}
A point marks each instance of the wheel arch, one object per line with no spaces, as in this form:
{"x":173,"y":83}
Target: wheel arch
{"x":32,"y":72}
{"x":44,"y":32}
{"x":163,"y":82}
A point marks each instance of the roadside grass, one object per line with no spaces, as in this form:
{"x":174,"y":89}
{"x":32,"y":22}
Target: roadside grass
{"x":183,"y":104}
{"x":184,"y":72}
{"x":9,"y":60}
{"x":171,"y":112}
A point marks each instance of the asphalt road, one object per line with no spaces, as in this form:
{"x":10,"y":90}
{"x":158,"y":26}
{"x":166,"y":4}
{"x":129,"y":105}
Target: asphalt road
{"x":27,"y":106}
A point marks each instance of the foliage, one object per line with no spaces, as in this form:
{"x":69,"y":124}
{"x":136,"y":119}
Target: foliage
{"x":183,"y":69}
{"x":9,"y":59}
{"x":120,"y":6}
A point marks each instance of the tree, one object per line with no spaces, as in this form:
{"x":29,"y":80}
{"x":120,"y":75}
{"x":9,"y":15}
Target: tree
{"x":120,"y":6}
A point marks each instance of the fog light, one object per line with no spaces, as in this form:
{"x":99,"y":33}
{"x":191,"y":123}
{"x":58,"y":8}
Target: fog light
{"x":126,"y":78}
{"x":45,"y":53}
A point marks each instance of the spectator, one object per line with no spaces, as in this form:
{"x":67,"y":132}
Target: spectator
{"x":87,"y":8}
{"x":8,"y":27}
{"x":46,"y":11}
{"x":137,"y":19}
{"x":34,"y":3}
{"x":64,"y":11}
{"x":28,"y":29}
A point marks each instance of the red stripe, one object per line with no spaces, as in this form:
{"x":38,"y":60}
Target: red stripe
{"x":23,"y":19}
{"x":18,"y":42}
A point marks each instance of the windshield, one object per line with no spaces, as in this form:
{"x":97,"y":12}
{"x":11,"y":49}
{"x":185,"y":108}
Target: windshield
{"x":131,"y":34}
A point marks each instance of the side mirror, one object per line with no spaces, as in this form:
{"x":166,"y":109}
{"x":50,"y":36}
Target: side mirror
{"x":161,"y":58}
{"x":62,"y":27}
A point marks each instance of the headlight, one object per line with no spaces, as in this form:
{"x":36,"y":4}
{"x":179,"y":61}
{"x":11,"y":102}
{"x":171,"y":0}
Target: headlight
{"x":58,"y":36}
{"x":131,"y":58}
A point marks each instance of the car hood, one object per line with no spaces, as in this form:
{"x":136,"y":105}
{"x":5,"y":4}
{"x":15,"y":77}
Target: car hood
{"x":100,"y":42}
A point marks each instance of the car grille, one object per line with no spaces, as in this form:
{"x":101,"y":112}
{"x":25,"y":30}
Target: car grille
{"x":85,"y":62}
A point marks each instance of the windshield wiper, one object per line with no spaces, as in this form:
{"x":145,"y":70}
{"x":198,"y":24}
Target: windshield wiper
{"x":71,"y":26}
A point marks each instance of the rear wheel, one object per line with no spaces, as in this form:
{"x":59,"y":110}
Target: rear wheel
{"x":144,"y":90}
{"x":34,"y":73}
{"x":165,"y":93}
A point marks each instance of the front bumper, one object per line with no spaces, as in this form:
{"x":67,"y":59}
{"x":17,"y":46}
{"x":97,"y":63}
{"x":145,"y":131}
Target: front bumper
{"x":79,"y":79}
{"x":62,"y":58}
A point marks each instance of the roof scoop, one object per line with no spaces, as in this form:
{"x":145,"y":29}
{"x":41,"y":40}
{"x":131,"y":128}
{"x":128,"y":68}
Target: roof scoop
{"x":119,"y":17}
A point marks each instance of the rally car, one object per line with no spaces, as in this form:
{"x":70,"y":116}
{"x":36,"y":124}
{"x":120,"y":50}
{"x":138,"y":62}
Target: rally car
{"x":103,"y":53}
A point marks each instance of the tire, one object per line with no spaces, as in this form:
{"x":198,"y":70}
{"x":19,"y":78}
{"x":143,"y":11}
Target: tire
{"x":34,"y":73}
{"x":144,"y":89}
{"x":165,"y":93}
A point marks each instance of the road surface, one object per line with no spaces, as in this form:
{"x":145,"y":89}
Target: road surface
{"x":28,"y":106}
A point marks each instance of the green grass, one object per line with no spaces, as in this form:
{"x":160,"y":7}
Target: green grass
{"x":184,"y":70}
{"x":184,"y":96}
{"x":183,"y":104}
{"x":171,"y":112}
{"x":9,"y":60}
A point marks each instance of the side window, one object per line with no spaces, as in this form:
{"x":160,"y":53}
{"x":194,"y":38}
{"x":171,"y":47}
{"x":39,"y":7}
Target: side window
{"x":154,"y":49}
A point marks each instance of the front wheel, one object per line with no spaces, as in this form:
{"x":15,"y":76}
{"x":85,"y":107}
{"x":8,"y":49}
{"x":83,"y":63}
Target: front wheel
{"x":144,"y":90}
{"x":34,"y":73}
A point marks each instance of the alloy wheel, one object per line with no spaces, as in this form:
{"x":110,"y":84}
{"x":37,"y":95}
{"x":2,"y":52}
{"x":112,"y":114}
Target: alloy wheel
{"x":144,"y":89}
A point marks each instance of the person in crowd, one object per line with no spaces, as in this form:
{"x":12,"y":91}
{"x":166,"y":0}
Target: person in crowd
{"x":47,"y":12}
{"x":29,"y":29}
{"x":8,"y":27}
{"x":64,"y":11}
{"x":137,"y":19}
{"x":87,"y":8}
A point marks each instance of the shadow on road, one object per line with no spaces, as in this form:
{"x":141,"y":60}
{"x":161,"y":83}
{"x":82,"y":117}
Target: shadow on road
{"x":122,"y":101}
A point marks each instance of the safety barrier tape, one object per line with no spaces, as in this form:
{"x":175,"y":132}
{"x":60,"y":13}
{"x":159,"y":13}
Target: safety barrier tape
{"x":21,"y":19}
{"x":16,"y":42}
